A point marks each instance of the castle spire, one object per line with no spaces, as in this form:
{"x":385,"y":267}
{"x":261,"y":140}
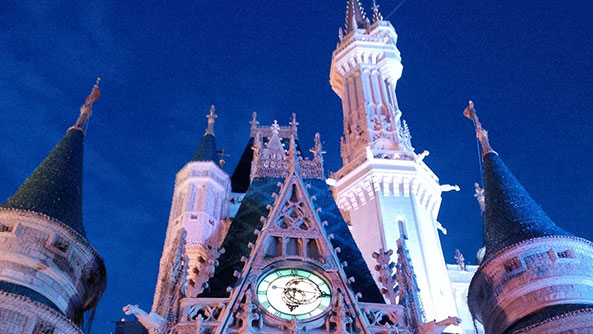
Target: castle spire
{"x":355,"y":16}
{"x":207,"y":149}
{"x":293,"y":124}
{"x":55,"y":186}
{"x":87,"y":108}
{"x":211,"y":119}
{"x":510,"y":214}
{"x":482,"y":134}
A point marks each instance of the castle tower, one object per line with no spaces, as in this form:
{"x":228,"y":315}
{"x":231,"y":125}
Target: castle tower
{"x":384,"y":190}
{"x":535,"y":277}
{"x":196,"y":226}
{"x":50,"y":275}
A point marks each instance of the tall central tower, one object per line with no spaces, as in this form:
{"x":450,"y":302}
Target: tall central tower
{"x":384,"y":190}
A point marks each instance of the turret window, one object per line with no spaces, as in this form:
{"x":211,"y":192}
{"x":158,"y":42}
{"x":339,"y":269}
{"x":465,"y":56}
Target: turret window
{"x":402,"y":229}
{"x":567,"y":254}
{"x":273,"y":247}
{"x":538,"y":259}
{"x":512,"y":264}
{"x":5,"y":228}
{"x":43,"y":327}
{"x":60,"y":243}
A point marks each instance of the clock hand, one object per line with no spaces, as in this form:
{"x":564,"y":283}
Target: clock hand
{"x":321,"y":293}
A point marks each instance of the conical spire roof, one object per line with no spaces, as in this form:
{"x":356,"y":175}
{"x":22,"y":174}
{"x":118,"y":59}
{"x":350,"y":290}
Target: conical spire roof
{"x":207,"y":149}
{"x":510,"y":215}
{"x":55,"y":186}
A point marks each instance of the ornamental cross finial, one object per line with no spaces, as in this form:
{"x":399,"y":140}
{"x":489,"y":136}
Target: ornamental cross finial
{"x":482,"y":134}
{"x":86,"y":109}
{"x":460,"y":260}
{"x":211,"y":117}
{"x":275,"y":127}
{"x":253,"y":123}
{"x":317,"y":150}
{"x":376,"y":14}
{"x":293,"y":123}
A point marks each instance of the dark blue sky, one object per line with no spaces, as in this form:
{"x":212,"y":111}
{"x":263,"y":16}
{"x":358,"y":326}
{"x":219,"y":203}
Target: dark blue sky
{"x":527,"y":65}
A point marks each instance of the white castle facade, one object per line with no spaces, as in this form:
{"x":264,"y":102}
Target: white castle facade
{"x":279,"y":246}
{"x":384,"y":192}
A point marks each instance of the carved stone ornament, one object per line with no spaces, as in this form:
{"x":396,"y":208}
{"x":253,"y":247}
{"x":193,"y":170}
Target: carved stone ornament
{"x":273,"y":160}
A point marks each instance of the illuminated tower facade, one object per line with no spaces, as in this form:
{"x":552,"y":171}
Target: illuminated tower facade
{"x":50,"y":275}
{"x":197,"y":225}
{"x":384,"y":189}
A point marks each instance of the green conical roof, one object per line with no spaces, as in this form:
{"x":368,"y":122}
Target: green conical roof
{"x":511,"y":214}
{"x":55,"y":187}
{"x":207,"y":149}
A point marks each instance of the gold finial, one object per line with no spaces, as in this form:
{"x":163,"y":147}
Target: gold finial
{"x":86,"y":109}
{"x":211,"y":117}
{"x":222,"y":155}
{"x":481,"y":134}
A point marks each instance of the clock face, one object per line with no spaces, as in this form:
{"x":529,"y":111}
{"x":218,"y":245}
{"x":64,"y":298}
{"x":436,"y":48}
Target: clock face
{"x":293,"y":293}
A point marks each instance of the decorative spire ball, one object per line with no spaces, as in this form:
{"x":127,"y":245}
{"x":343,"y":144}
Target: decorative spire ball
{"x":86,"y":109}
{"x":211,"y":119}
{"x":481,"y":134}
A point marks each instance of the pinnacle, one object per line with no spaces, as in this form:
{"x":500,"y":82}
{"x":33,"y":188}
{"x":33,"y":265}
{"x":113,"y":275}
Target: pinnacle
{"x":355,"y":16}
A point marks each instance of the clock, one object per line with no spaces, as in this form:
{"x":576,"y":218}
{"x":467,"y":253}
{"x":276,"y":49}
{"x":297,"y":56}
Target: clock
{"x":293,"y":293}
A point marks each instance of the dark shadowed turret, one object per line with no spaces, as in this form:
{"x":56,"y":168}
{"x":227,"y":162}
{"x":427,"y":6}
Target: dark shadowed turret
{"x":535,"y":277}
{"x":49,"y":274}
{"x":511,"y":215}
{"x":55,"y":187}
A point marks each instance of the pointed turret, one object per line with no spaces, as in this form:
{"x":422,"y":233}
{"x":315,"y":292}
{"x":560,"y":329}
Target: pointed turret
{"x":55,"y":187}
{"x":50,"y":274}
{"x":384,"y":189}
{"x":535,"y":276}
{"x":355,"y":16}
{"x":510,"y":215}
{"x":207,"y":149}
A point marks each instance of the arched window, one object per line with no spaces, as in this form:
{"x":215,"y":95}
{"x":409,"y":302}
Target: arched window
{"x":402,"y":229}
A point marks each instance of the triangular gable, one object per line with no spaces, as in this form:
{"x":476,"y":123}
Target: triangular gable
{"x":291,"y":234}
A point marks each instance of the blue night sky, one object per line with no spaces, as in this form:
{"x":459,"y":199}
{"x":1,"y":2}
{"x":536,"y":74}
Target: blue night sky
{"x":527,"y":65}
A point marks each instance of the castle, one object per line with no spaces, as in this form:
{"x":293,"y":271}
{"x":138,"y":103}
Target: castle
{"x":277,"y":246}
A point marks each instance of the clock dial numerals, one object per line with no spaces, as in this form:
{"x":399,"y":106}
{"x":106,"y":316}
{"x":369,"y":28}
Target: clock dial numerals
{"x":293,"y":293}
